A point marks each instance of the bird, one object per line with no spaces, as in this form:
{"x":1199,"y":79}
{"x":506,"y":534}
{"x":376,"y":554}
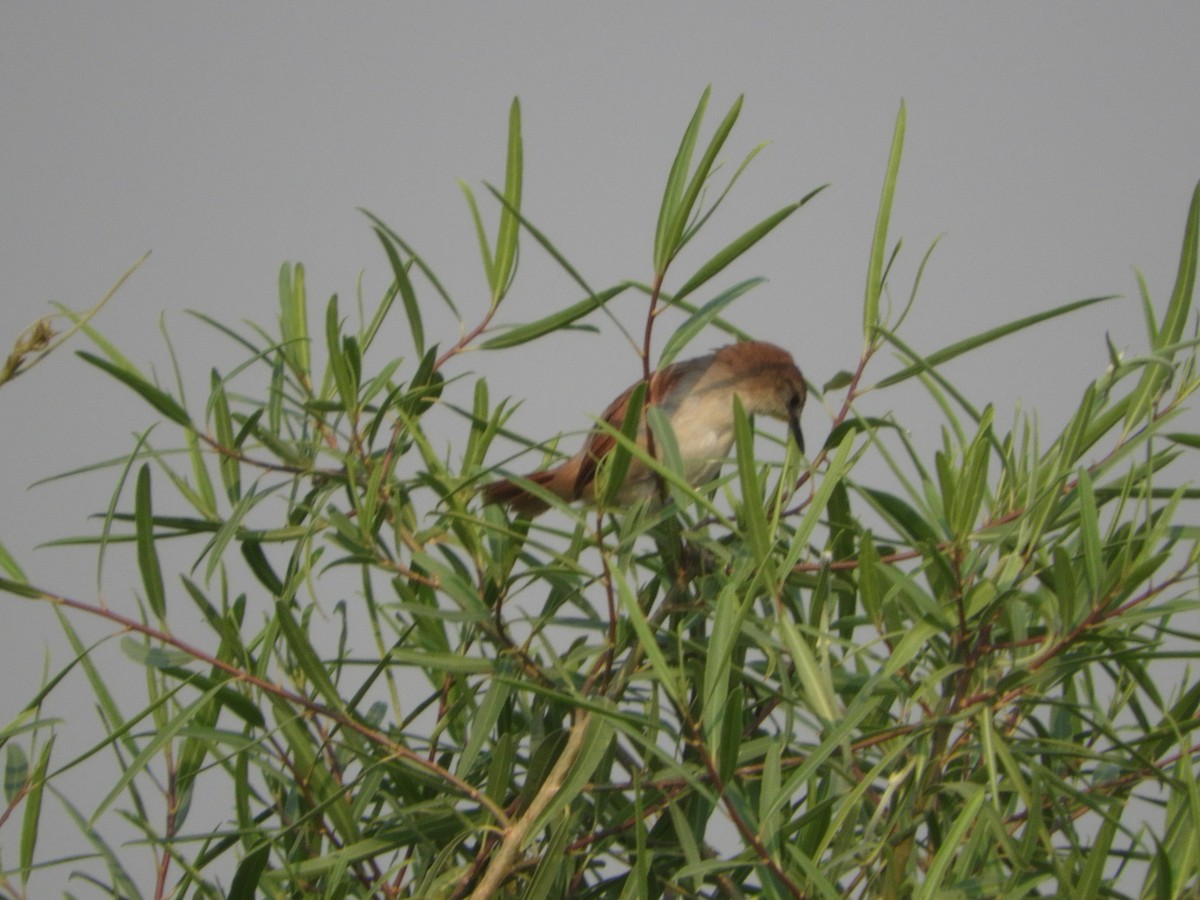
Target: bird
{"x":697,"y":396}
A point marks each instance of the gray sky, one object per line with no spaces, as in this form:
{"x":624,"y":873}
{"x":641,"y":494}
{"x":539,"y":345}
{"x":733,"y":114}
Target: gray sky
{"x":1055,"y":146}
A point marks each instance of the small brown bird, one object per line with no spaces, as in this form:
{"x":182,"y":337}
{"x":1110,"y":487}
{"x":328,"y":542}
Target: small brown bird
{"x":697,"y":395}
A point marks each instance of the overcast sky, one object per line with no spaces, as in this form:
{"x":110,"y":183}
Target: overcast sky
{"x":1055,"y":147}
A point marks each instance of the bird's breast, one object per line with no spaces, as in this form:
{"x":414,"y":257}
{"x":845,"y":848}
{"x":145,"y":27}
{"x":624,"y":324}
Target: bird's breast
{"x":704,"y":432}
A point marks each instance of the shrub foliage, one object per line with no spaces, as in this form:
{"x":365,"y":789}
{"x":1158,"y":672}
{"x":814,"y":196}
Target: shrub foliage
{"x":959,"y":676}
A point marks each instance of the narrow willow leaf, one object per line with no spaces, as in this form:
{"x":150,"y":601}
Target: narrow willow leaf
{"x":408,"y":295}
{"x":20,"y":589}
{"x":675,"y":234}
{"x":1099,"y":857}
{"x":523,"y":334}
{"x":1190,"y":439}
{"x":556,"y":866}
{"x":832,"y":740}
{"x":754,"y":517}
{"x":701,"y":319}
{"x":973,"y":480}
{"x":338,"y":366}
{"x":666,"y":451}
{"x":149,"y":749}
{"x":10,"y":565}
{"x":833,"y":475}
{"x":870,"y":587}
{"x":293,"y":320}
{"x":729,"y":615}
{"x":500,"y":769}
{"x":227,"y":463}
{"x":1179,"y":308}
{"x":506,"y":236}
{"x":485,"y":247}
{"x":252,"y":553}
{"x":156,"y":397}
{"x":1154,"y":378}
{"x":483,"y":428}
{"x":482,"y":722}
{"x":244,"y":885}
{"x":615,"y":465}
{"x":958,"y":348}
{"x":31,"y":820}
{"x":875,"y":268}
{"x":16,"y":772}
{"x":229,"y":529}
{"x":417,"y":261}
{"x":328,"y":797}
{"x":153,"y":655}
{"x":596,"y":746}
{"x":204,"y":487}
{"x":636,"y":616}
{"x":813,"y":678}
{"x":1148,"y":318}
{"x":734,"y":249}
{"x":933,"y":882}
{"x":731,"y":733}
{"x":147,"y":552}
{"x":676,"y":179}
{"x":305,"y":655}
{"x":545,"y":242}
{"x":914,"y":527}
{"x":1089,"y":534}
{"x":698,"y":221}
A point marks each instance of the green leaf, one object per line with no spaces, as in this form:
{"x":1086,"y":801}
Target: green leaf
{"x":1187,"y":439}
{"x":227,"y":463}
{"x":933,"y":883}
{"x":16,"y":772}
{"x":738,"y":246}
{"x":754,"y":517}
{"x":339,"y":365}
{"x":544,"y":241}
{"x":21,"y":589}
{"x":154,"y":656}
{"x":33,"y":811}
{"x":307,"y":660}
{"x":293,"y":320}
{"x":875,"y":268}
{"x":156,"y":397}
{"x":1155,"y":378}
{"x":9,"y":565}
{"x":523,"y":334}
{"x":835,"y":471}
{"x":682,"y":213}
{"x":509,"y":230}
{"x":616,"y":463}
{"x":665,"y":673}
{"x":252,"y":552}
{"x":958,"y":348}
{"x":408,"y":296}
{"x":417,"y":261}
{"x":676,"y":179}
{"x":485,"y":247}
{"x":244,"y":885}
{"x":702,"y":318}
{"x":147,"y":552}
{"x":484,"y":720}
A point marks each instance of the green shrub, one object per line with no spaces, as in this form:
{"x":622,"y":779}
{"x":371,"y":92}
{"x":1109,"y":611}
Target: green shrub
{"x":797,"y":683}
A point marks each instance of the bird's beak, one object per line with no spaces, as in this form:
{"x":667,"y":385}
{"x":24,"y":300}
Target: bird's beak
{"x":797,"y":434}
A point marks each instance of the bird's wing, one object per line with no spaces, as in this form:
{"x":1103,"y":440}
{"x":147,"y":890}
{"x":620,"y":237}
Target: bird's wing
{"x":600,"y":443}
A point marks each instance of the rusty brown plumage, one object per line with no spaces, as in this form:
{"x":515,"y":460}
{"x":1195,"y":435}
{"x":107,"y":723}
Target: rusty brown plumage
{"x":697,"y":396}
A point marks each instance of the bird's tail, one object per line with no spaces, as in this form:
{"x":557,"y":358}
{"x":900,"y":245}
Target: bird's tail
{"x":516,"y":497}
